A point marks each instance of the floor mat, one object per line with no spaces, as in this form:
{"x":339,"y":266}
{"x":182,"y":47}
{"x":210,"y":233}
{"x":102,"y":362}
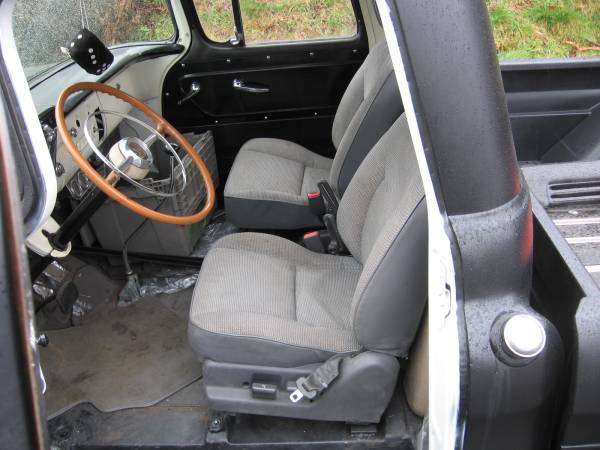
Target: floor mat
{"x":129,"y":357}
{"x":179,"y":420}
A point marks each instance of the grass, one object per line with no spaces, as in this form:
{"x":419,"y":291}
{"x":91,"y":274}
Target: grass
{"x":135,"y":20}
{"x":522,"y":28}
{"x":545,"y":28}
{"x":268,"y":20}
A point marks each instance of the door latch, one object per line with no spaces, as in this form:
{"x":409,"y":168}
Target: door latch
{"x":254,"y":88}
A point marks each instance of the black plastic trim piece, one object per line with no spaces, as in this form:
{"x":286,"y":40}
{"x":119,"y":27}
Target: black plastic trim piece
{"x":550,"y":63}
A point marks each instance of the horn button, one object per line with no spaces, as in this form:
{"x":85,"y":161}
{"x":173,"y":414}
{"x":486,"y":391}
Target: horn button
{"x":133,"y":156}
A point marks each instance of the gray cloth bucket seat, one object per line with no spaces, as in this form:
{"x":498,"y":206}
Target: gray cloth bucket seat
{"x":268,"y":184}
{"x":262,"y":300}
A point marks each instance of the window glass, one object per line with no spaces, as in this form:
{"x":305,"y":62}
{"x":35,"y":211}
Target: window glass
{"x":545,"y":28}
{"x":41,"y":27}
{"x":278,"y":20}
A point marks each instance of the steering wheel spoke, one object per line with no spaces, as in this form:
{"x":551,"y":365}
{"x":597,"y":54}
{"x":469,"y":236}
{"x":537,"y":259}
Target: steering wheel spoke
{"x":153,"y":137}
{"x":112,"y":178}
{"x":150,"y":140}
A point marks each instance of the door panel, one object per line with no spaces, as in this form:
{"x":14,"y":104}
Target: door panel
{"x":305,"y":81}
{"x":285,"y":89}
{"x":554,"y":109}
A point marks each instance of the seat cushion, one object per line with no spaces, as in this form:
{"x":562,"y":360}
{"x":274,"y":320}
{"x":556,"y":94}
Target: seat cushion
{"x":261,"y":299}
{"x":268,"y":183}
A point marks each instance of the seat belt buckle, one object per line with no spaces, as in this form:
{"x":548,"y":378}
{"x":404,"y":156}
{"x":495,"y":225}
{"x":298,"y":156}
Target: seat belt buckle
{"x":329,"y":197}
{"x":316,"y":203}
{"x":301,"y":391}
{"x":316,"y":241}
{"x":319,"y":380}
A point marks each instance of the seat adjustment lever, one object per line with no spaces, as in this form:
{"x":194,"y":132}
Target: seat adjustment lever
{"x":266,"y":391}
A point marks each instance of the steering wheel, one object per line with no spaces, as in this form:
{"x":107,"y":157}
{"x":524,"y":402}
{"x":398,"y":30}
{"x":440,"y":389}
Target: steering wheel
{"x":131,"y":158}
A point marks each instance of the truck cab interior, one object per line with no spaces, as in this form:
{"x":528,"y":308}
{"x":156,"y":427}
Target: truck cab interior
{"x":239,"y":240}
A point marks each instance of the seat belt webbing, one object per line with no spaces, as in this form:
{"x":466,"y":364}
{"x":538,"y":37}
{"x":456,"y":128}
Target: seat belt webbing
{"x":318,"y":381}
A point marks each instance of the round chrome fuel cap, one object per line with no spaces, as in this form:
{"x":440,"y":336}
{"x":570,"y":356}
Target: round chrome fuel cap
{"x":524,"y":336}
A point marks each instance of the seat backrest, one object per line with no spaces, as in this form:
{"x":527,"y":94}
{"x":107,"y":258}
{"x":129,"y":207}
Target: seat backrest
{"x":382,"y":219}
{"x":368,"y":108}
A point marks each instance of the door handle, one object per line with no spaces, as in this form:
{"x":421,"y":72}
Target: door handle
{"x":253,"y":88}
{"x":192,"y":92}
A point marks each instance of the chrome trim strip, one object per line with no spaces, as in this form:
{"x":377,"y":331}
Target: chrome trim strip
{"x":594,"y":268}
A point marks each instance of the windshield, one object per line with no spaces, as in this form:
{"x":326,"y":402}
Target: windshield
{"x":42,"y":27}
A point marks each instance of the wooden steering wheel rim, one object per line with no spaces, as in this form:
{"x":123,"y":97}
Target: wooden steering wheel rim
{"x":104,"y":184}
